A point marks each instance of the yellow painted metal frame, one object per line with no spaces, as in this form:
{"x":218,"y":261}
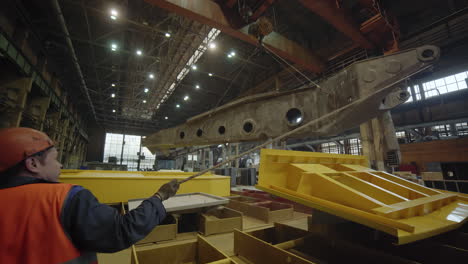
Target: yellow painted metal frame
{"x":121,"y":186}
{"x":345,"y":186}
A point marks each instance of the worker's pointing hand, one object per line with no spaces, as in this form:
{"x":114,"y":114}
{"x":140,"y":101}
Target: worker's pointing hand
{"x":168,"y":190}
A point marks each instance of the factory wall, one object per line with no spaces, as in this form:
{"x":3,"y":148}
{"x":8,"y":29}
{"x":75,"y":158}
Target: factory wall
{"x":450,"y":150}
{"x":97,"y":138}
{"x":33,"y":96}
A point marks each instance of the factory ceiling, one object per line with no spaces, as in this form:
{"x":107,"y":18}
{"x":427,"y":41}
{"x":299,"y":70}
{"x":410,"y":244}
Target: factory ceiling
{"x":149,"y":65}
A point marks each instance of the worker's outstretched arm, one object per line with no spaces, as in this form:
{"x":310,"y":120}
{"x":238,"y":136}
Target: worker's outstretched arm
{"x":97,"y":227}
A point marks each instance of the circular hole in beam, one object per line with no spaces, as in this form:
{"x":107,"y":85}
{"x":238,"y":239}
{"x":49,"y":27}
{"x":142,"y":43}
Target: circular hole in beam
{"x":428,"y":53}
{"x":182,"y":135}
{"x":248,"y":127}
{"x":199,"y":132}
{"x":294,"y":116}
{"x":221,"y":130}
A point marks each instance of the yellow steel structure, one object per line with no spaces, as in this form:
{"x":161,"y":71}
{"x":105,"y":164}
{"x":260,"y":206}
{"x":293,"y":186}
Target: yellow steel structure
{"x":345,"y":186}
{"x":121,"y":186}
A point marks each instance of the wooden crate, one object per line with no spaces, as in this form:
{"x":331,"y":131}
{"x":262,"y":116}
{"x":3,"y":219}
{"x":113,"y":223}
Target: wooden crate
{"x":121,"y":257}
{"x":166,"y":230}
{"x":220,"y":221}
{"x":270,"y":211}
{"x":285,"y":244}
{"x":199,"y":251}
{"x":241,"y":203}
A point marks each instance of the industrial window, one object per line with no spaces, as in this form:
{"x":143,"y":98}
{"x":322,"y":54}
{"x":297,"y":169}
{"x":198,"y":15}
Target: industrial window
{"x":355,"y":147}
{"x":445,"y":85}
{"x":410,"y":99}
{"x":330,"y":147}
{"x":442,"y":130}
{"x":462,"y":128}
{"x":124,"y":150}
{"x":192,"y":157}
{"x":400,"y":134}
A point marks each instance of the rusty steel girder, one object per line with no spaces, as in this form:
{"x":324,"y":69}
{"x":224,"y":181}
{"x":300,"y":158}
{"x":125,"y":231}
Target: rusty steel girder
{"x":210,"y":13}
{"x":350,"y":97}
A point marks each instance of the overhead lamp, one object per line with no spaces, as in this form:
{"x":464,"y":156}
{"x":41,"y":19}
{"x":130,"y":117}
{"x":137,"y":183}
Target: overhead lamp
{"x":229,"y":56}
{"x":146,"y":90}
{"x":194,"y":67}
{"x":151,"y":76}
{"x":197,"y":86}
{"x":138,"y":52}
{"x":233,"y":53}
{"x":166,"y":118}
{"x":210,"y":74}
{"x":167,"y":35}
{"x":113,"y":110}
{"x":212,"y":45}
{"x":114,"y":47}
{"x":113,"y":14}
{"x":113,"y":85}
{"x":177,"y":105}
{"x":186,"y":98}
{"x":113,"y":95}
{"x":144,"y":101}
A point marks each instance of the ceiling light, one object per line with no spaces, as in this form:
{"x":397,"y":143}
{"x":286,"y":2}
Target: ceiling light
{"x":144,"y":101}
{"x":229,"y":56}
{"x":138,"y":52}
{"x":186,"y":98}
{"x":210,"y":74}
{"x":233,"y":53}
{"x":146,"y":90}
{"x":114,"y":47}
{"x":166,"y":118}
{"x":113,"y":95}
{"x":197,"y":86}
{"x":113,"y":14}
{"x":194,"y":67}
{"x":177,"y":105}
{"x":113,"y":110}
{"x":168,"y":35}
{"x":212,"y":45}
{"x":151,"y":76}
{"x":113,"y":85}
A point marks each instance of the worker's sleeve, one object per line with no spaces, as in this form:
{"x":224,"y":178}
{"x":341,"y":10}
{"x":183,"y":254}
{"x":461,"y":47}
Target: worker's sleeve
{"x":97,"y":227}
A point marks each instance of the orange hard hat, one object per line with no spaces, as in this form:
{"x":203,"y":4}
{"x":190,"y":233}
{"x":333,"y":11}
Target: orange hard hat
{"x":18,"y":143}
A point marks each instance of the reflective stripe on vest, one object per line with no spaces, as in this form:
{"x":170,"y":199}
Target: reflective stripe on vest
{"x":30,"y":227}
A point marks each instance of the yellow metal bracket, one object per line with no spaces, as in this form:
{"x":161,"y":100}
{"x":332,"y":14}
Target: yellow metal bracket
{"x":345,"y":186}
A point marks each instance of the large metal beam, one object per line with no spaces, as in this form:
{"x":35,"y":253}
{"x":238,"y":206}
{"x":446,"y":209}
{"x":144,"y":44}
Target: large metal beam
{"x":337,"y":18}
{"x":209,"y":13}
{"x":266,"y":4}
{"x":354,"y":95}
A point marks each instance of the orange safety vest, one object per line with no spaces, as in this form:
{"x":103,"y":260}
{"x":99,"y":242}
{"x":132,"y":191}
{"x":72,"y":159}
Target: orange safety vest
{"x":30,"y":227}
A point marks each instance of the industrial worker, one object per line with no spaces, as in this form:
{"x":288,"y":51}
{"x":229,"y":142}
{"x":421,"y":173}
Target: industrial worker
{"x":44,"y":221}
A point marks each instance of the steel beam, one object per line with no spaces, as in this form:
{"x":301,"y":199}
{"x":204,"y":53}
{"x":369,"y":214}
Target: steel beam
{"x":209,"y":13}
{"x":367,"y":87}
{"x":337,"y":18}
{"x":266,"y":4}
{"x":231,"y":3}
